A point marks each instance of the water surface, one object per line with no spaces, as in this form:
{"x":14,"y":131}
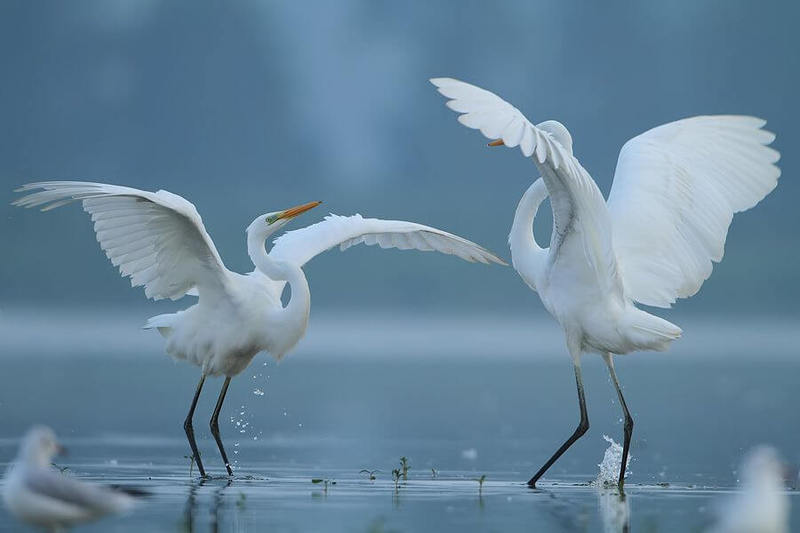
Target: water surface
{"x":328,"y":414}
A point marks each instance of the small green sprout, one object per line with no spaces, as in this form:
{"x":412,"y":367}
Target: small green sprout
{"x":405,"y":468}
{"x":371,"y":474}
{"x":480,"y":481}
{"x":324,"y":482}
{"x":61,"y":469}
{"x":434,"y":473}
{"x":396,"y":475}
{"x":191,"y":463}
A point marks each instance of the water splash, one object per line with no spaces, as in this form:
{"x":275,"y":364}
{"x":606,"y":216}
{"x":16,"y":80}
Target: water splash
{"x":612,"y":460}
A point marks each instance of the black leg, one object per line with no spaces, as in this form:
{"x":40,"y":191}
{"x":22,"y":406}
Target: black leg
{"x":187,"y":426}
{"x":583,"y":426}
{"x":215,"y":424}
{"x":626,"y":445}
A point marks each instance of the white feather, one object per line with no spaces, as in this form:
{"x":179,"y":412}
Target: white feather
{"x":157,"y":239}
{"x":301,"y":245}
{"x":675,"y":191}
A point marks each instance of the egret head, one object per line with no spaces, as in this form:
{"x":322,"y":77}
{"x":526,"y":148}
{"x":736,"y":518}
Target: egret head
{"x":40,"y":446}
{"x":556,"y":129}
{"x":267,"y":224}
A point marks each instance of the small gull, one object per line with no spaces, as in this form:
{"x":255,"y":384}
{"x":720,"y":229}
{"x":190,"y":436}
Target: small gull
{"x":762,"y":506}
{"x":36,"y":493}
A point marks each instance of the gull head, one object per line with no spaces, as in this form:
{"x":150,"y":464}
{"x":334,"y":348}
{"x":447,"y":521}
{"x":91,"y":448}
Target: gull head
{"x":39,"y":446}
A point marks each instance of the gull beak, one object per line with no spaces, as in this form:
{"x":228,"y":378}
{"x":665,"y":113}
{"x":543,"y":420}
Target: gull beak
{"x":297,"y":210}
{"x":498,"y":142}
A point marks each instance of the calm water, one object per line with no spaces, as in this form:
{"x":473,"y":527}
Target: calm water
{"x":329,"y":414}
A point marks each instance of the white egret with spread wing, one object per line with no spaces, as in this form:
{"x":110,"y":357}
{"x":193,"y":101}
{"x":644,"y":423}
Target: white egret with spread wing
{"x":675,"y":191}
{"x":159,"y":241}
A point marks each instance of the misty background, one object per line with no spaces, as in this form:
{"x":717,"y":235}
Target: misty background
{"x":250,"y":107}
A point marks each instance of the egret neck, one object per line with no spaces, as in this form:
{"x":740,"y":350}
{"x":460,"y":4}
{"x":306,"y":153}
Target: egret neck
{"x":296,"y":311}
{"x":528,"y":258}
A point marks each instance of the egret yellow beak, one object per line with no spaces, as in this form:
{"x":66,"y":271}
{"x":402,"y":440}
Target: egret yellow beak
{"x":297,"y":210}
{"x":498,"y":142}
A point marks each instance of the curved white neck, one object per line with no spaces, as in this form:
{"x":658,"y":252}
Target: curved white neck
{"x":296,"y":311}
{"x":528,"y":257}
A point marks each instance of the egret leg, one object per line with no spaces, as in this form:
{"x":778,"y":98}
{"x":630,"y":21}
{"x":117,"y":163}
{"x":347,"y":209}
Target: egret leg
{"x":626,"y":445}
{"x":583,"y":426}
{"x":215,"y":424}
{"x":187,"y":426}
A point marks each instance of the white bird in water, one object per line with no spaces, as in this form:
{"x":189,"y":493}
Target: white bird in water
{"x":676,"y":189}
{"x":37,"y":494}
{"x":762,"y":505}
{"x":159,"y":241}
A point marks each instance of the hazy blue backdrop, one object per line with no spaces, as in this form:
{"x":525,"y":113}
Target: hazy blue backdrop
{"x":248,"y":107}
{"x":253,"y":106}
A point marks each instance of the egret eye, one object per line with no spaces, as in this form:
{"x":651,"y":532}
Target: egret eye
{"x":272,"y":219}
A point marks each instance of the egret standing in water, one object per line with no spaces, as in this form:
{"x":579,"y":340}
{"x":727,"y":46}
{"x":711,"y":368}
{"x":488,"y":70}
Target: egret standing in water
{"x":675,"y":191}
{"x":159,"y":241}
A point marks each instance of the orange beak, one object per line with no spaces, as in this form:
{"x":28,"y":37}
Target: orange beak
{"x":498,"y":142}
{"x":298,"y":210}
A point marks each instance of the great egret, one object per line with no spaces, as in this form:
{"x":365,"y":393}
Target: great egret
{"x":675,"y":191}
{"x":37,"y":494}
{"x":158,"y":239}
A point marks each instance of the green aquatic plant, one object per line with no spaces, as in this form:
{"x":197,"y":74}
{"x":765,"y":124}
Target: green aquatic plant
{"x":324,"y":482}
{"x":61,"y":469}
{"x":371,"y":474}
{"x":191,"y":463}
{"x":396,"y":476}
{"x":434,"y":473}
{"x":480,"y":481}
{"x":404,"y":467}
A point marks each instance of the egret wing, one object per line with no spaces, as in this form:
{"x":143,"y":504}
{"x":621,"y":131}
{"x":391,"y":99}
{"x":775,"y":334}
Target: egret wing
{"x":675,"y":190}
{"x":578,"y":205}
{"x":157,"y":239}
{"x":300,"y":246}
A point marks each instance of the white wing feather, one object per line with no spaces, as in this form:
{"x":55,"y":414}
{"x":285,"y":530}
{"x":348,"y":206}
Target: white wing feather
{"x":157,"y":239}
{"x":675,"y":191}
{"x":578,"y":205}
{"x":300,"y":246}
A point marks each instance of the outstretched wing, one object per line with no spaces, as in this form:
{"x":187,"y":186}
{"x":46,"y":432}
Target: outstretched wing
{"x":158,"y":239}
{"x":675,"y":191}
{"x":300,"y":246}
{"x":578,"y":206}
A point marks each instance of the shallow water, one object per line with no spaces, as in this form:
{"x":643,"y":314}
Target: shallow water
{"x":330,"y":415}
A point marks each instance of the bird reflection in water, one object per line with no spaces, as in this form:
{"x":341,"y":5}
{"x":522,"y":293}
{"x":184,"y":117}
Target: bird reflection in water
{"x":191,"y":510}
{"x":615,"y":511}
